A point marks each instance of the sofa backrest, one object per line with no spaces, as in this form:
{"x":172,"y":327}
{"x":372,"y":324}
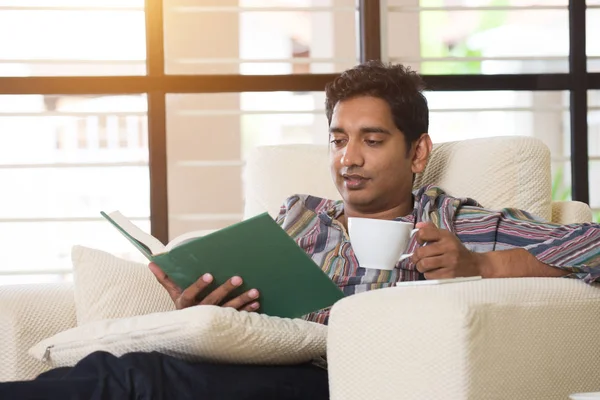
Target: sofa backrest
{"x":498,"y":172}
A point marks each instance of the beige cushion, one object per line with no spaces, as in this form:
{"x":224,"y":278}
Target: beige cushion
{"x":28,"y":314}
{"x":518,"y":339}
{"x":208,"y":333}
{"x":571,"y":212}
{"x":498,"y":172}
{"x":108,"y":287}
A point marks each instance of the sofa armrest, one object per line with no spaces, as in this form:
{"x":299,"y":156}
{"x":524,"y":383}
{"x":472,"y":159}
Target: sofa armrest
{"x":570,"y":212}
{"x":522,"y":338}
{"x":28,"y":314}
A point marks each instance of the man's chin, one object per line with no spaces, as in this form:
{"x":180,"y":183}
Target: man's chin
{"x":357,"y":198}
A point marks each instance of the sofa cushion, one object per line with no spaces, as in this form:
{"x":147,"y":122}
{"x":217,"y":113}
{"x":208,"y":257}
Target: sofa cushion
{"x":28,"y":314}
{"x":207,"y":333}
{"x":108,"y":287}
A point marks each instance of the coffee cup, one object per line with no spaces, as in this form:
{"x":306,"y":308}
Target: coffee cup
{"x":379,"y":243}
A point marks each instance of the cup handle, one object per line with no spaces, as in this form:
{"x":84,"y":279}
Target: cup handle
{"x":405,"y":256}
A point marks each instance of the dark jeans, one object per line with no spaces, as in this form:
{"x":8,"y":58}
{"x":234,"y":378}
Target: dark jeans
{"x":156,"y":376}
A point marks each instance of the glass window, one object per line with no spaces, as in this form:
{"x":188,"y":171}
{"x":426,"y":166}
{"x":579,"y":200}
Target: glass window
{"x":544,"y":115}
{"x":484,"y":3}
{"x":479,"y":37}
{"x":53,"y":242}
{"x":593,"y":32}
{"x":594,"y":150}
{"x":208,"y":138}
{"x":205,"y":187}
{"x":72,"y":37}
{"x":594,"y":123}
{"x":262,"y":37}
{"x":63,"y":159}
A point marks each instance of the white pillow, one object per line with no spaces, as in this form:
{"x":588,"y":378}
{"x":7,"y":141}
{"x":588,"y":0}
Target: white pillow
{"x":207,"y":333}
{"x":108,"y":287}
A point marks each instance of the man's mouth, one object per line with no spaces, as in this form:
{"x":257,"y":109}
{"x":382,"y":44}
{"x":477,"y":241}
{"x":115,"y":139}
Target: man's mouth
{"x":354,"y":181}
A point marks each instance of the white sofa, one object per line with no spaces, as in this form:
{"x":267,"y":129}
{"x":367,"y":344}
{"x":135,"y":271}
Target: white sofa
{"x":491,"y":339}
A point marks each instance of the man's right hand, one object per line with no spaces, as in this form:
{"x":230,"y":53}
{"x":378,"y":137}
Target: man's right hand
{"x":193,"y":295}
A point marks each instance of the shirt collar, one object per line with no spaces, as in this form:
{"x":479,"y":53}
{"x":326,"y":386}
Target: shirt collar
{"x":336,"y":209}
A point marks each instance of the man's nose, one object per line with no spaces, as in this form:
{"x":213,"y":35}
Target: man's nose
{"x":352,"y":155}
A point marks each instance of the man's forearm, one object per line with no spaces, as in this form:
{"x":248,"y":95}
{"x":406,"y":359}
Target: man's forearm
{"x":515,"y":263}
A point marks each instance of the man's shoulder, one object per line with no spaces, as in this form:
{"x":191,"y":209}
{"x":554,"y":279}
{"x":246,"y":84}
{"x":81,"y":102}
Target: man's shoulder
{"x":435,"y":196}
{"x":466,"y":209}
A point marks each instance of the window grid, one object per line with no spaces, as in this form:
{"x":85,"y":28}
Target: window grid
{"x":156,"y":84}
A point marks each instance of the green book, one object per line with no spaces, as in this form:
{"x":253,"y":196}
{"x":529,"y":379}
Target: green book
{"x":290,"y":283}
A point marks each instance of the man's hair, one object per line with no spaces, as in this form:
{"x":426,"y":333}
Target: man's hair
{"x":397,"y":84}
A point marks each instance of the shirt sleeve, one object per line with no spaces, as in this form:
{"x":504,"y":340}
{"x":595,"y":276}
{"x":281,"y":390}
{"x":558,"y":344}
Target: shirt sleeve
{"x":574,"y":248}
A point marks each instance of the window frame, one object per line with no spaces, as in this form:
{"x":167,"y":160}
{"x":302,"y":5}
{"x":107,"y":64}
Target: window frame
{"x":156,"y":85}
{"x":578,"y":81}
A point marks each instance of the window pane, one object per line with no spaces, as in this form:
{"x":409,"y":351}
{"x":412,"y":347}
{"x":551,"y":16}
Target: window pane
{"x":544,"y":115}
{"x":74,"y":192}
{"x":72,"y":129}
{"x":594,"y":150}
{"x":63,"y":159}
{"x":72,"y":38}
{"x":209,"y":136}
{"x":594,"y":175}
{"x":594,"y":123}
{"x":593,"y":32}
{"x":478,"y":41}
{"x":259,"y":36}
{"x":53,"y":242}
{"x":482,"y":3}
{"x":92,"y":4}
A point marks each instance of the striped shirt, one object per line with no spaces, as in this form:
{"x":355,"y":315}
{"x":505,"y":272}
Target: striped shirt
{"x":312,"y":223}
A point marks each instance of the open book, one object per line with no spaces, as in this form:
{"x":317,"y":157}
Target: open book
{"x":258,"y":249}
{"x":152,"y":244}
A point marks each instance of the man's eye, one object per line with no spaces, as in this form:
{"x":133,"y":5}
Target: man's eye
{"x":337,"y":142}
{"x":373,"y":142}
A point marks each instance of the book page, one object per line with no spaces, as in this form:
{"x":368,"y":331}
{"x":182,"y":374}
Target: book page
{"x":155,"y":246}
{"x":185,"y":238}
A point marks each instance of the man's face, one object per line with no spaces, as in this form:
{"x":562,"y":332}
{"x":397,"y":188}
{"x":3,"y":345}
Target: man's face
{"x":368,"y":156}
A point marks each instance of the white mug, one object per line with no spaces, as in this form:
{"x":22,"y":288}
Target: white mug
{"x":379,"y":243}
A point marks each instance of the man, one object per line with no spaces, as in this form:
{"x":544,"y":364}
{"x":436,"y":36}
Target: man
{"x":378,"y":123}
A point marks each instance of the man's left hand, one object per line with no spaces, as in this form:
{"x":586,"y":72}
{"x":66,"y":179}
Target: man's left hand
{"x":444,"y":256}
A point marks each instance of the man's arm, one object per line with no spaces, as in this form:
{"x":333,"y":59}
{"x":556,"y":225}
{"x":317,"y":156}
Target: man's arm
{"x":528,"y":248}
{"x":501,"y":264}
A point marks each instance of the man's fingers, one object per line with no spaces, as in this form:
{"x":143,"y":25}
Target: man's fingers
{"x":220,"y":293}
{"x":162,"y":278}
{"x":428,"y":233}
{"x":189,"y":297}
{"x":430,"y":264}
{"x":251,"y":307}
{"x":430,"y":250}
{"x":242,"y":300}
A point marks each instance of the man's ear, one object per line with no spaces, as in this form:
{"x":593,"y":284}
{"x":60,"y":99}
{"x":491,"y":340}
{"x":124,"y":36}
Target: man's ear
{"x":423,"y":147}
